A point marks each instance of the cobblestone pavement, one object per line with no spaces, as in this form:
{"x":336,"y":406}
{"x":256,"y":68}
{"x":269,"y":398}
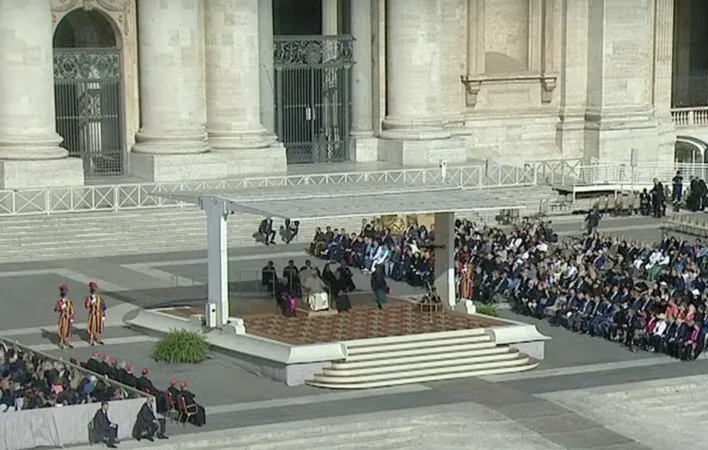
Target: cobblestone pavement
{"x":548,"y":402}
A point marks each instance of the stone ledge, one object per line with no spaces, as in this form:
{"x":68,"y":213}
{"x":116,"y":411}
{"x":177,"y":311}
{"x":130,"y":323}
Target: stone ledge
{"x":176,"y":168}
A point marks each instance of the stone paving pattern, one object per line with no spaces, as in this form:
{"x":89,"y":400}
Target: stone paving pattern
{"x":576,"y":399}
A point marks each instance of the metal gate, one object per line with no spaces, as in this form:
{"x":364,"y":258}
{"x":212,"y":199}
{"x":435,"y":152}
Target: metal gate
{"x":312,"y":96}
{"x":87,"y":91}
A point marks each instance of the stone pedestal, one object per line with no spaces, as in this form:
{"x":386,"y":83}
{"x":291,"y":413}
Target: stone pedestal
{"x":233,"y":89}
{"x":414,"y":130}
{"x":445,"y":258}
{"x":40,"y":173}
{"x":171,"y":95}
{"x":30,"y":155}
{"x":175,"y":168}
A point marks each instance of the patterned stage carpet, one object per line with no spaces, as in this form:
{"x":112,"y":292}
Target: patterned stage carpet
{"x":362,"y":322}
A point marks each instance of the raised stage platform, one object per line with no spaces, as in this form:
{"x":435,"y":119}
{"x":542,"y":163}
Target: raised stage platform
{"x":363,"y":348}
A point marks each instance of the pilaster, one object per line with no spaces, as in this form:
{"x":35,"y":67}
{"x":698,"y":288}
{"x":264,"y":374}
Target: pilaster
{"x":663,"y":75}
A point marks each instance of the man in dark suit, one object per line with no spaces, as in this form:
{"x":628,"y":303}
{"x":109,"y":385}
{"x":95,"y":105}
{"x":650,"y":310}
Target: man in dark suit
{"x":147,"y":423}
{"x":144,"y":384}
{"x":103,"y":429}
{"x":265,"y":229}
{"x":129,"y":379}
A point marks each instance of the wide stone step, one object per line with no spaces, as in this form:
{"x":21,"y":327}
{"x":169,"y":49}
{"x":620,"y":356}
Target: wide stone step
{"x":422,"y":357}
{"x":440,"y":365}
{"x":413,"y":377}
{"x":468,"y":346}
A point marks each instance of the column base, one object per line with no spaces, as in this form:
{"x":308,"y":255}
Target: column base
{"x":364,"y":149}
{"x":32,"y":174}
{"x":423,"y":152}
{"x":174,"y":168}
{"x":255,"y":161}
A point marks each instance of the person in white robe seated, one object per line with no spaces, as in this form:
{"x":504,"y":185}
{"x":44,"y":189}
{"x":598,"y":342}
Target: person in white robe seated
{"x":317,"y":297}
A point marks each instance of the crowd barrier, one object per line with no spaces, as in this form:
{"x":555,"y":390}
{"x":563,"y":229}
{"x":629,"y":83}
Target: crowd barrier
{"x":67,"y":425}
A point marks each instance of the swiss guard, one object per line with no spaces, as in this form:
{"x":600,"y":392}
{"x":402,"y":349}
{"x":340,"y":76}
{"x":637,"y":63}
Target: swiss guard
{"x":65,"y":308}
{"x":96,"y":314}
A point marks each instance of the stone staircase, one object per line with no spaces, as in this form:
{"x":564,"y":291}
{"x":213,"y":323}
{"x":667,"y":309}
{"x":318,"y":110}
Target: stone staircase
{"x":390,"y":361}
{"x":143,"y":231}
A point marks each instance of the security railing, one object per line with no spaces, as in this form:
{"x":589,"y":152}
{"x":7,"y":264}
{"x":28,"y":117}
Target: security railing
{"x":553,"y":172}
{"x":690,"y":117}
{"x":121,"y":197}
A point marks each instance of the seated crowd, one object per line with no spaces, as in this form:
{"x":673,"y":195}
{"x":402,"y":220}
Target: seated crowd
{"x":30,"y":381}
{"x":649,"y":297}
{"x":406,"y":256}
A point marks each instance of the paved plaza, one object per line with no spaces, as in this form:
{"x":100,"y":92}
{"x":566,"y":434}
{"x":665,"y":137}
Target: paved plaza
{"x":585,"y":394}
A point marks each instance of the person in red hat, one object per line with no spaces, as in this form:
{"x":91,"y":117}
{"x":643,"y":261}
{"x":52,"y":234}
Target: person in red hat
{"x":65,"y":308}
{"x":129,"y":379}
{"x":96,"y":314}
{"x":190,"y":402}
{"x":104,"y":366}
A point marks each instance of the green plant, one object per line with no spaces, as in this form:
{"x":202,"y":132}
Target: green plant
{"x":182,"y":347}
{"x":487,"y":310}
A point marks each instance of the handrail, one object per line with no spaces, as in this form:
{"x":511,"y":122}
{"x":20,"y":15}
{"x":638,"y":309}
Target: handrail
{"x":14,"y":344}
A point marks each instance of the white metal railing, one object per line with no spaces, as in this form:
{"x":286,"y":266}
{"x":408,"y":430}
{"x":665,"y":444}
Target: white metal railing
{"x":690,"y":117}
{"x":141,"y":196}
{"x":553,"y":172}
{"x":626,"y":177}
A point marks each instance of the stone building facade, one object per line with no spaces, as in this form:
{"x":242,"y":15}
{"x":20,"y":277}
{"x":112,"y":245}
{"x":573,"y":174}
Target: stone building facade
{"x":204,"y":89}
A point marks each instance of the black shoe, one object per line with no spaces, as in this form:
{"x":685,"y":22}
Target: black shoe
{"x":162,"y":436}
{"x":111,"y":446}
{"x":150,"y":438}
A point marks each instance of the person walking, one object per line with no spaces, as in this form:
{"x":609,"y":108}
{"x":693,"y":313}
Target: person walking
{"x":379,"y":285}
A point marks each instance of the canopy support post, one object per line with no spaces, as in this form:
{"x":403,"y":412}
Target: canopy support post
{"x":217,"y":211}
{"x":445,"y":257}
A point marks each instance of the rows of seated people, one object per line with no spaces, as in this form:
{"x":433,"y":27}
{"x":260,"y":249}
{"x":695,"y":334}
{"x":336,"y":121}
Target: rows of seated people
{"x":31,"y":381}
{"x":406,"y":256}
{"x":646,"y":297}
{"x":172,"y":398}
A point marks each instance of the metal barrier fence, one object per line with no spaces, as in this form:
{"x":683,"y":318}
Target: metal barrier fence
{"x":144,"y":196}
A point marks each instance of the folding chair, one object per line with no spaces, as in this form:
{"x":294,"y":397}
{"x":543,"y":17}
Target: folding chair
{"x":185,"y":411}
{"x":171,"y":412}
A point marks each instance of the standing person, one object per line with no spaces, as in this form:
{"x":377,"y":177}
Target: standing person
{"x":379,"y":286}
{"x":65,"y":308}
{"x":677,"y":189}
{"x":592,"y":221}
{"x":96,"y":314}
{"x":658,"y":198}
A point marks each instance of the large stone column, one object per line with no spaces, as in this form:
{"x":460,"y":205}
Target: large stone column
{"x":265,"y":58}
{"x":414,"y":129}
{"x":30,"y":155}
{"x":233,"y":89}
{"x":364,"y":147}
{"x":171,"y":143}
{"x":663,"y":74}
{"x":619,"y":114}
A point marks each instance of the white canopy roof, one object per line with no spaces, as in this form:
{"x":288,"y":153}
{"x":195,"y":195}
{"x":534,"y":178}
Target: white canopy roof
{"x":334,"y":201}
